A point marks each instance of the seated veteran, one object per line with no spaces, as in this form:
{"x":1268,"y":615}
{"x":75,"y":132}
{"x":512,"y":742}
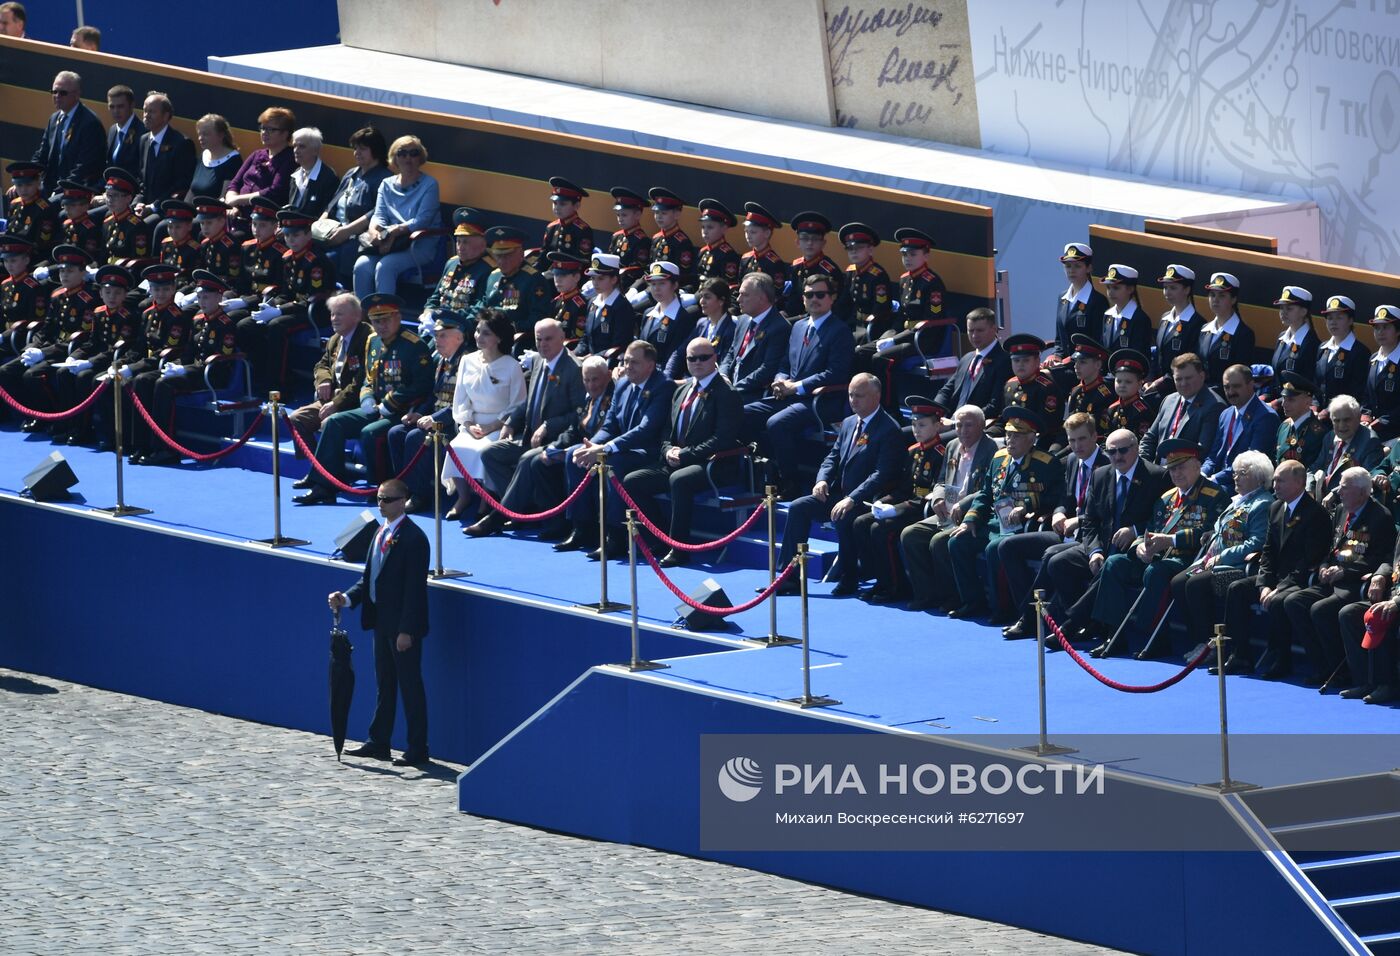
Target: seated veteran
{"x":339,"y":373}
{"x":877,"y":532}
{"x":1301,"y":434}
{"x":514,"y":288}
{"x":463,"y":281}
{"x":1019,"y":493}
{"x":405,"y":438}
{"x":1362,"y":539}
{"x":1368,"y":638}
{"x":705,"y":415}
{"x":1351,"y":444}
{"x":1199,"y":592}
{"x":864,"y":464}
{"x":1181,"y":519}
{"x":1297,"y":540}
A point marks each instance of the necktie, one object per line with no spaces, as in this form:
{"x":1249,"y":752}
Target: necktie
{"x":1120,"y":500}
{"x":1336,"y":457}
{"x":117,"y":144}
{"x":683,"y":426}
{"x":748,"y":339}
{"x":807,"y":334}
{"x":1176,"y":418}
{"x":1083,"y":484}
{"x":855,"y":439}
{"x":976,"y":367}
{"x":1230,"y":432}
{"x":631,"y":408}
{"x":532,"y":413}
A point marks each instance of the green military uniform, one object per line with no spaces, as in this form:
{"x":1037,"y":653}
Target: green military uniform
{"x":461,"y":288}
{"x":1301,"y":442}
{"x":523,"y":296}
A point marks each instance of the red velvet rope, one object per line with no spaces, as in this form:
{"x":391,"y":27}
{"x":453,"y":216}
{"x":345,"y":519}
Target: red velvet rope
{"x":336,"y":482}
{"x":56,"y":416}
{"x":705,"y":608}
{"x":1110,"y":682}
{"x":681,"y":545}
{"x":496,"y":506}
{"x":186,"y":452}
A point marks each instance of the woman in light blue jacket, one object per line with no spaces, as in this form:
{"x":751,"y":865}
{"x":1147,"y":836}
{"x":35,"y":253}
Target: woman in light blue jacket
{"x":407,"y":203}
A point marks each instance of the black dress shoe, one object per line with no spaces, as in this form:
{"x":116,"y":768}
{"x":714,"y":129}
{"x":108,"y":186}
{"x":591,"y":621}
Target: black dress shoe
{"x":1357,"y":693}
{"x":922,"y":604}
{"x":412,"y":760}
{"x":318,"y":495}
{"x":369,"y":752}
{"x":32,"y":425}
{"x":419,"y":504}
{"x":487,"y":526}
{"x":674,"y":559}
{"x":968,"y":611}
{"x":85,"y":436}
{"x":612,"y":548}
{"x":1279,"y":671}
{"x":1017,"y":632}
{"x":1236,"y":664}
{"x":574,"y":542}
{"x":303,"y":483}
{"x":163,"y":457}
{"x":789,"y":588}
{"x":1384,"y":694}
{"x":845,"y":588}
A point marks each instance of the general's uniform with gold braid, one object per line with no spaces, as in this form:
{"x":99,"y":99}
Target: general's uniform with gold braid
{"x":523,"y":296}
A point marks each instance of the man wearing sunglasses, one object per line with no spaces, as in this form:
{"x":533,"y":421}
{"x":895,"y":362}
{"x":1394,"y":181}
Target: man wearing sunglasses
{"x":392,"y":594}
{"x":74,"y":144}
{"x":705,"y":414}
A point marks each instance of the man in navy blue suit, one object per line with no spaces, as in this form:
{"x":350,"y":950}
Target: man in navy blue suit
{"x":760,"y":339}
{"x":865,"y":463}
{"x":630,"y":438}
{"x":1246,"y":424}
{"x":74,"y":143}
{"x":820,"y":351}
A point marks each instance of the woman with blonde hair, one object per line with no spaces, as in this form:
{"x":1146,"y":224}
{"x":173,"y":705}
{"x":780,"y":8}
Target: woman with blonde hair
{"x":408,"y":202}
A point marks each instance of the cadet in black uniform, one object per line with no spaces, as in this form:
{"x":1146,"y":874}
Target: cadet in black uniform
{"x":878,"y":530}
{"x":1125,"y":323}
{"x":671,"y":244}
{"x":1129,"y":411}
{"x":811,"y":229}
{"x":1090,"y":395}
{"x":179,"y":248}
{"x":116,"y":331}
{"x":463,"y":282}
{"x":717,"y":258}
{"x":78,"y":228}
{"x":1178,"y":331}
{"x":1030,"y":387}
{"x":569,"y":305}
{"x":867,"y":283}
{"x":246,"y":267}
{"x":69,"y":320}
{"x":1080,"y":309}
{"x":1297,"y":346}
{"x":1225,"y":340}
{"x":759,"y":225}
{"x":309,"y":279}
{"x":1301,"y":434}
{"x":168,"y":333}
{"x":920,"y":302}
{"x":128,"y":236}
{"x":567,"y":233}
{"x":30,"y":215}
{"x":1382,"y":402}
{"x":630,"y":243}
{"x":24,"y":301}
{"x":1342,"y":361}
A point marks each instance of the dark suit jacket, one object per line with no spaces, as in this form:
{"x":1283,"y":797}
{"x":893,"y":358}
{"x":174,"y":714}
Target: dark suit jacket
{"x":559,"y":402}
{"x":1364,"y":449}
{"x":317,"y":195}
{"x":638,"y":417}
{"x":345,"y":386}
{"x":670,"y":338}
{"x":1221,"y":355}
{"x":986,"y":391}
{"x":826,"y":359}
{"x":1256,"y":430}
{"x":1294,"y":548}
{"x":1375,"y":528}
{"x":712,"y":423}
{"x":611,"y":326}
{"x":401,"y":590}
{"x":1197,"y":424}
{"x":866,"y":469}
{"x":981,"y":458}
{"x":1069,"y":505}
{"x":1096,"y":526}
{"x":78,"y":156}
{"x":752,"y":371}
{"x":129,"y":156}
{"x":167,"y":174}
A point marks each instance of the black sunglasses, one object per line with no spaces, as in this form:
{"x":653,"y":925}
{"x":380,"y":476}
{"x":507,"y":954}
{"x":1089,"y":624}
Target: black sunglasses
{"x":389,"y":498}
{"x":1115,"y":452}
{"x":700,"y":358}
{"x":413,"y":153}
{"x":814,"y":294}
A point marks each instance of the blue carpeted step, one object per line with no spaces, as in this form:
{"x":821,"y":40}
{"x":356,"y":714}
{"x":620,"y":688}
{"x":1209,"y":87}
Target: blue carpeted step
{"x":1383,"y":944}
{"x":1338,"y":877}
{"x":1377,"y":914}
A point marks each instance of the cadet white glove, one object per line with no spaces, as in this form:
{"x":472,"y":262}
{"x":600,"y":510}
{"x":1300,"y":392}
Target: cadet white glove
{"x":883,"y":344}
{"x":31,"y":356}
{"x":79,"y":365}
{"x":91,"y":272}
{"x":231,"y":305}
{"x":186,"y":299}
{"x":41,"y":274}
{"x":125,"y":373}
{"x":367,"y":404}
{"x":384,"y":411}
{"x":266,"y":314}
{"x":173,"y":371}
{"x":882,"y":511}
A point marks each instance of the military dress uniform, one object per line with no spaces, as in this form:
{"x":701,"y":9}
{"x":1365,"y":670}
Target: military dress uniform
{"x":523,"y":296}
{"x":1038,"y":392}
{"x":1300,"y":441}
{"x":37,"y":221}
{"x":719,"y":260}
{"x":1095,"y":399}
{"x":571,"y":309}
{"x":920,"y":301}
{"x":814,"y":223}
{"x":871,"y":303}
{"x":461,"y":288}
{"x":128,"y":238}
{"x":250,"y":266}
{"x":1187,"y":516}
{"x":631,"y":246}
{"x":1135,"y":415}
{"x":878,"y":538}
{"x":1341,"y":370}
{"x":571,"y":234}
{"x":1035,"y":483}
{"x":168,"y":336}
{"x":24,"y":301}
{"x":183,"y":256}
{"x":309,"y":280}
{"x":1129,"y":328}
{"x":68,"y":323}
{"x":1381,"y":403}
{"x":83,"y":232}
{"x":675,"y":246}
{"x":405,"y":438}
{"x":117,"y":335}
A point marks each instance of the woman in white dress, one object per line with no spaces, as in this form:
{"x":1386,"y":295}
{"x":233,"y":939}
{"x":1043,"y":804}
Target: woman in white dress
{"x":489,"y":381}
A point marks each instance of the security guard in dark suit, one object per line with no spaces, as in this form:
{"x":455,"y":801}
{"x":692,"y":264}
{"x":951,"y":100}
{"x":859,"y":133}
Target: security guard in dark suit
{"x":877,"y":531}
{"x":630,"y":243}
{"x":1342,"y":359}
{"x":68,"y":321}
{"x":1080,"y":309}
{"x":78,"y":227}
{"x":514,"y":289}
{"x":567,"y":233}
{"x":1128,"y":410}
{"x":248,"y":267}
{"x":23,"y":299}
{"x":464,"y":278}
{"x":717,"y":258}
{"x":1301,"y":434}
{"x":811,"y":229}
{"x":1382,"y":399}
{"x":759,"y":226}
{"x":867,"y":283}
{"x":117,"y":336}
{"x":128,"y":236}
{"x":179,"y":248}
{"x":1029,"y":387}
{"x":670,"y":243}
{"x":1181,"y":519}
{"x":1090,"y":395}
{"x":569,"y":305}
{"x":1022,"y":488}
{"x":30,"y":215}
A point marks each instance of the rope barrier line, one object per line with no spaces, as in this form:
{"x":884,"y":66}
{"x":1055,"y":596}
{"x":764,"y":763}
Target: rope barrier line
{"x":332,"y":479}
{"x":1116,"y":685}
{"x":706,"y":608}
{"x":681,"y":545}
{"x":499,"y":508}
{"x":190,"y":453}
{"x":77,"y":409}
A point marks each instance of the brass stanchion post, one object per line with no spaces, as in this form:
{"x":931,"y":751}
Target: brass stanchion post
{"x":274,"y":405}
{"x":1224,"y":784}
{"x":1044,"y":747}
{"x":603,"y":605}
{"x":438,"y":573}
{"x":807,"y":700}
{"x":636,"y":663}
{"x":121,"y":509}
{"x":774,"y":639}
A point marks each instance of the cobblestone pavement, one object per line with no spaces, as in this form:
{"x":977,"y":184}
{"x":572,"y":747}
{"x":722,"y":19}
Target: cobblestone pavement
{"x":129,"y":826}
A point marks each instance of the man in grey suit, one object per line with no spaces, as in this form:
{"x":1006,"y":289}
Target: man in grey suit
{"x":964,"y":467}
{"x":1191,"y":413}
{"x":553,"y":393}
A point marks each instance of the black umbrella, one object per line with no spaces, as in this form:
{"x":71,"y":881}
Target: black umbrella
{"x":342,"y":682}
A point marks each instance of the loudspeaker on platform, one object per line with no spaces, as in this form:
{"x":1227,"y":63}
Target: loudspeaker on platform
{"x":710,"y":593}
{"x":354,"y":541}
{"x":51,"y":479}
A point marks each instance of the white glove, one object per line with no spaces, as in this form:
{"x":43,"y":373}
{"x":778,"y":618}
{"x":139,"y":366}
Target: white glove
{"x":173,"y":371}
{"x":91,"y":272}
{"x":31,"y":356}
{"x":882,"y":511}
{"x":79,"y":365}
{"x":883,"y":344}
{"x":688,"y":301}
{"x":266,"y":314}
{"x":367,"y":404}
{"x":637,"y":296}
{"x":232,"y":305}
{"x":527,"y":360}
{"x":186,"y":299}
{"x":144,"y":285}
{"x":384,"y":411}
{"x":41,"y":274}
{"x":125,"y":373}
